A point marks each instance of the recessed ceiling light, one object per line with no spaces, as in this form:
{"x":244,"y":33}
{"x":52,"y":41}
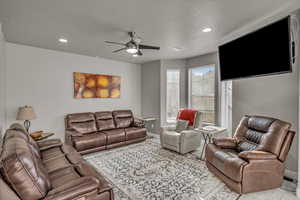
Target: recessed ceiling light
{"x":177,"y":48}
{"x":63,"y":40}
{"x":206,"y":30}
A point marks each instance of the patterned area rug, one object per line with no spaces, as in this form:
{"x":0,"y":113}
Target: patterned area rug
{"x":146,"y":171}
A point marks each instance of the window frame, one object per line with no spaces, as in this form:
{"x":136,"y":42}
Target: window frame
{"x":216,"y":90}
{"x":179,"y":71}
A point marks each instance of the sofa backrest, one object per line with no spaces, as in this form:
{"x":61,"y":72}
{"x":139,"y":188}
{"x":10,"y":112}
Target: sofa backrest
{"x":123,"y":118}
{"x":17,"y":130}
{"x":23,"y":170}
{"x":262,"y":133}
{"x":81,"y":122}
{"x":105,"y":120}
{"x":286,"y":145}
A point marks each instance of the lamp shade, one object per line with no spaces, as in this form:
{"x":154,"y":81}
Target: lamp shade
{"x":26,"y":113}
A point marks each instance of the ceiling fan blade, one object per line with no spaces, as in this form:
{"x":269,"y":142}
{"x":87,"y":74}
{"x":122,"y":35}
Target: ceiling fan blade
{"x":118,"y":43}
{"x":115,"y":51}
{"x":141,"y":46}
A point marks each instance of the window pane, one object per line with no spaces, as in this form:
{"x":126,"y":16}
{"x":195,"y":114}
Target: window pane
{"x":202,"y":90}
{"x":173,"y":78}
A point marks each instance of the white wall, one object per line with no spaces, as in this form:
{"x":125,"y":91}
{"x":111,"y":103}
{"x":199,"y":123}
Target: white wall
{"x":2,"y":83}
{"x":44,"y":79}
{"x":151,"y":91}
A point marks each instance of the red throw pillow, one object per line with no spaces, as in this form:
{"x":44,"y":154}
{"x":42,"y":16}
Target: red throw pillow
{"x":187,"y":114}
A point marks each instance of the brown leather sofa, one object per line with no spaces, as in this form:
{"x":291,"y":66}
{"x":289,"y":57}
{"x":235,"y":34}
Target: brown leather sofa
{"x":253,"y":160}
{"x":47,"y":170}
{"x":90,"y":132}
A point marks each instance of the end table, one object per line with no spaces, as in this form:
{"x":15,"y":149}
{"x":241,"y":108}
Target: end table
{"x":208,"y":133}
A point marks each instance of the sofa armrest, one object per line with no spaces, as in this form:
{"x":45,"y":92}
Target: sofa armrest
{"x":257,"y":155}
{"x":74,"y":189}
{"x":189,"y":133}
{"x":140,"y":123}
{"x":47,"y":144}
{"x":225,"y":143}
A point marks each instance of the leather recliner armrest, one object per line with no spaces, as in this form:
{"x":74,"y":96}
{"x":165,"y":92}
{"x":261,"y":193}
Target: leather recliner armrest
{"x":140,"y":123}
{"x":73,"y":189}
{"x":257,"y":155}
{"x":225,"y":143}
{"x":47,"y":144}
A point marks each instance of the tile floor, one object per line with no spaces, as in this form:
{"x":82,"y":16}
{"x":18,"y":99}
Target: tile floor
{"x":276,"y":194}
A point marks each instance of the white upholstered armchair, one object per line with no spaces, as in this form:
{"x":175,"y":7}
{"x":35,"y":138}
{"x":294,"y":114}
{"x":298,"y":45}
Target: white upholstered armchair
{"x":186,"y":140}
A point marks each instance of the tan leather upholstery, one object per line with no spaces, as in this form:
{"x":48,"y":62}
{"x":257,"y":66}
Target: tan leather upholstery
{"x":253,"y":159}
{"x":82,"y":122}
{"x":90,"y":132}
{"x":123,"y":118}
{"x":105,"y":121}
{"x":57,"y":173}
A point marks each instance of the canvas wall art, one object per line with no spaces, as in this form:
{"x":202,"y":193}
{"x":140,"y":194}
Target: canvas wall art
{"x":96,"y":86}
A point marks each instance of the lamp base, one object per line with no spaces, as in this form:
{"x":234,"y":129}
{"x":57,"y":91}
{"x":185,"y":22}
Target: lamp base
{"x":27,"y":125}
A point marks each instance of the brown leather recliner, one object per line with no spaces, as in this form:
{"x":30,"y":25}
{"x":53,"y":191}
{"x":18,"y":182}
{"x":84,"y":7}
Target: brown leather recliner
{"x":46,"y":170}
{"x":90,"y":132}
{"x":253,"y":160}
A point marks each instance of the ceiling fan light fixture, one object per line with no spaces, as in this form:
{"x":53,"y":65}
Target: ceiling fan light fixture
{"x":207,"y":30}
{"x":131,"y":50}
{"x":63,"y":40}
{"x":137,"y":54}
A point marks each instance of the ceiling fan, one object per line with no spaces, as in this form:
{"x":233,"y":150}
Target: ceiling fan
{"x":133,"y":46}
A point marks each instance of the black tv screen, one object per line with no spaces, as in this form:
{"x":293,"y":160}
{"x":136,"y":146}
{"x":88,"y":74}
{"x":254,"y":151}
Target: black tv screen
{"x":263,"y":52}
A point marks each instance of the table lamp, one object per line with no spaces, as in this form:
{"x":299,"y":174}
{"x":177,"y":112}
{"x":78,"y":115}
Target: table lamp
{"x":26,"y":113}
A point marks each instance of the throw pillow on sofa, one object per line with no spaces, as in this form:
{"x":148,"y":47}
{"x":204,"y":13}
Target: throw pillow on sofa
{"x":181,"y":125}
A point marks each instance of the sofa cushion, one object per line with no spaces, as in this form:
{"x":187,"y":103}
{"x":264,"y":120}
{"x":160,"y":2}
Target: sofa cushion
{"x":56,"y":163}
{"x":81,"y":122}
{"x":85,"y":169}
{"x":89,"y":141}
{"x":84,"y":127}
{"x":123,"y":118}
{"x":115,"y":135}
{"x":17,"y":130}
{"x":105,"y":121}
{"x":226,"y":160}
{"x":62,"y":176}
{"x":171,"y":138}
{"x":24,"y":170}
{"x":261,"y":134}
{"x":135,"y":133}
{"x":181,"y":125}
{"x":51,"y":153}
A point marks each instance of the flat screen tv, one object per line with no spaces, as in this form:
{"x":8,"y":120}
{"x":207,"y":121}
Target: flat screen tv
{"x":263,"y":52}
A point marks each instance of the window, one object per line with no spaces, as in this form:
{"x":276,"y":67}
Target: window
{"x":173,"y":94}
{"x":202,"y":91}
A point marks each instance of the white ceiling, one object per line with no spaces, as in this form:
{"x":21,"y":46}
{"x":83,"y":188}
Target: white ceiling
{"x":166,"y":23}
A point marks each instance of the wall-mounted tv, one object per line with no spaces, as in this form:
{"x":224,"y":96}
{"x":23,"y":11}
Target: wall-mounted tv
{"x":263,"y":52}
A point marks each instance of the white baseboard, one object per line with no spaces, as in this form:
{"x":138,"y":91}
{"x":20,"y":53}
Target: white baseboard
{"x":291,"y":174}
{"x":298,"y":192}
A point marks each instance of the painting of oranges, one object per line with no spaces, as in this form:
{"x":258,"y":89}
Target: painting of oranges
{"x":96,"y":86}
